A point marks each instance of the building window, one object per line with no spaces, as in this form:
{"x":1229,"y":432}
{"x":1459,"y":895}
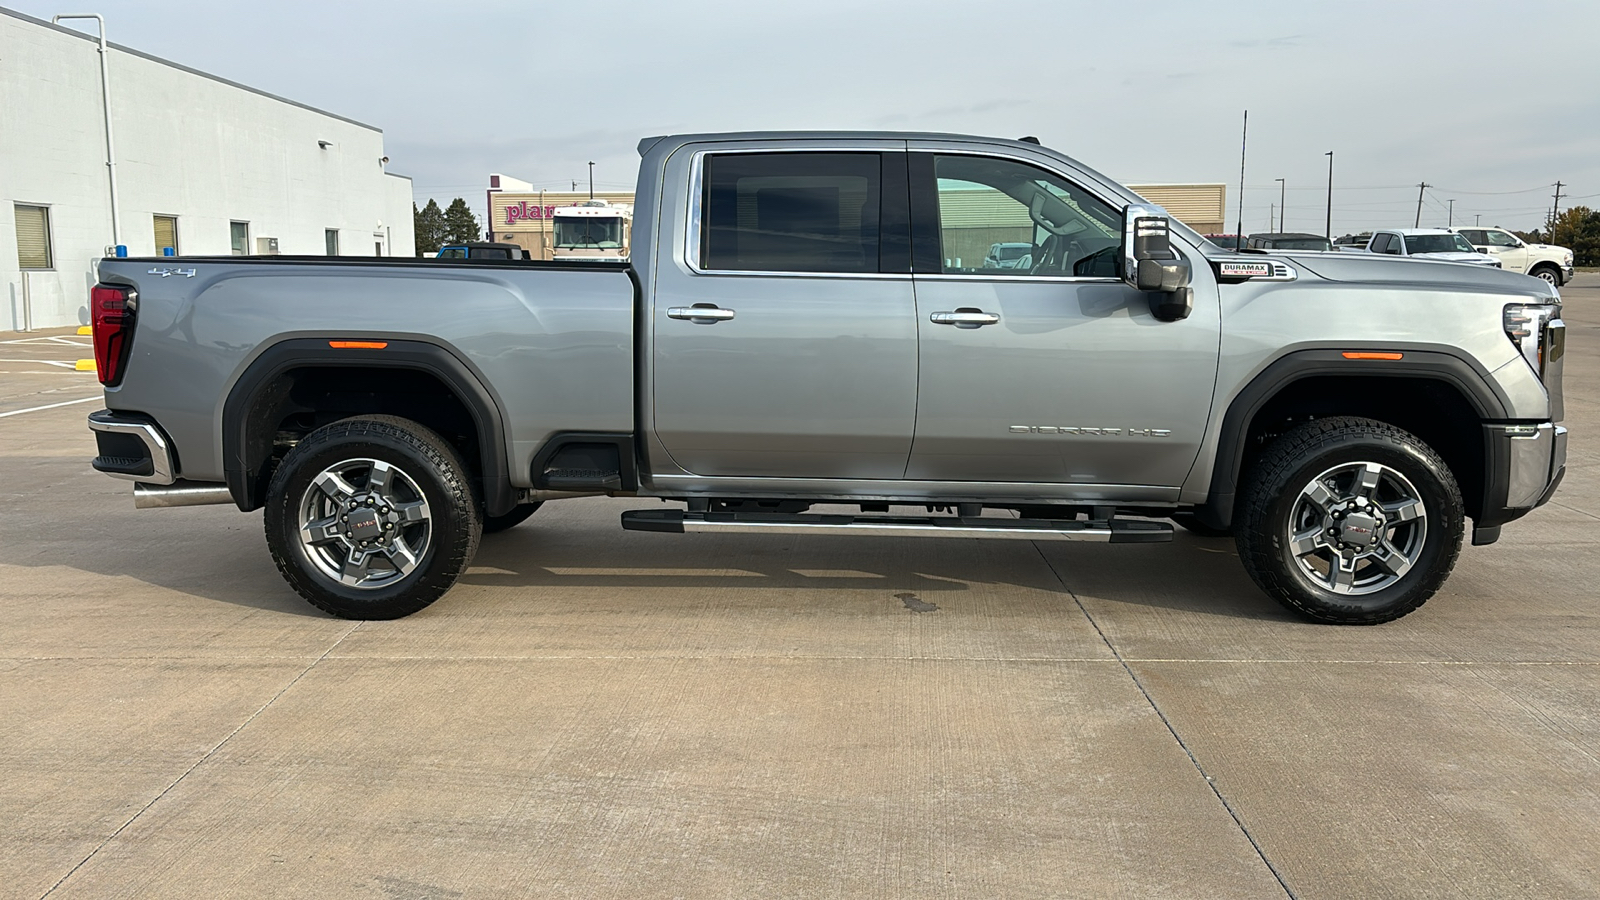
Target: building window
{"x":33,"y":237}
{"x":166,"y":235}
{"x":791,"y":212}
{"x":330,"y":237}
{"x":239,"y":236}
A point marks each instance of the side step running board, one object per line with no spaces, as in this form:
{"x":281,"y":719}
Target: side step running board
{"x":1116,"y":531}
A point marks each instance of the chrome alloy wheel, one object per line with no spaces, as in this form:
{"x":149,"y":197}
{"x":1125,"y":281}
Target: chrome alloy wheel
{"x":1357,"y":528}
{"x":364,"y":523}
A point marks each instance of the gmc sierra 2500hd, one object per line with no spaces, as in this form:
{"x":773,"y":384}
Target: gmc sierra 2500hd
{"x":807,"y":320}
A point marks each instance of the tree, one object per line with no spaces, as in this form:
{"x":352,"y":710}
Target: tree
{"x":1579,"y":229}
{"x":431,"y":228}
{"x":460,"y":224}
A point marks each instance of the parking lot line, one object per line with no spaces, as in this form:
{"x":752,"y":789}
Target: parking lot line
{"x":18,"y":412}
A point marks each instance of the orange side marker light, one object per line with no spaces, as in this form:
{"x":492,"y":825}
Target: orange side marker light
{"x":358,"y":345}
{"x":1355,"y":354}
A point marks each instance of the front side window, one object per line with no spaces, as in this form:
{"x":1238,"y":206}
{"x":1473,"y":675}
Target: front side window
{"x":792,"y":212}
{"x":1502,"y":239}
{"x":1438,"y":243}
{"x":239,"y":237}
{"x":1048,"y":226}
{"x":33,"y":236}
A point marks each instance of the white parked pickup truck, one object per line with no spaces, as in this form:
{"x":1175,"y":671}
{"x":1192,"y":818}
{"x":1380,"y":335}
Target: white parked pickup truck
{"x":1547,"y":261}
{"x":1428,"y":243}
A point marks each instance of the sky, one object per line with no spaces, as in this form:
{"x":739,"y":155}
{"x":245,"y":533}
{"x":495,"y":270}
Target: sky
{"x":1489,"y":103}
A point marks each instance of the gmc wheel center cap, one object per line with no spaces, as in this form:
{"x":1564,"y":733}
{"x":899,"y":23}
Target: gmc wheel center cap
{"x":364,"y":525}
{"x":1359,"y":529}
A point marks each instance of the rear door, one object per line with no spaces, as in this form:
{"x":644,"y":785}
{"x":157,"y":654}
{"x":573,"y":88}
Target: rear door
{"x":784,"y":333}
{"x":1054,"y":372}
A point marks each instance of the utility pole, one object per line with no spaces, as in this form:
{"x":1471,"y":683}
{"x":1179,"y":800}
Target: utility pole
{"x":1555,"y":211}
{"x":1272,"y":210}
{"x":105,"y":99}
{"x":591,"y":179}
{"x":1244,"y":141}
{"x":574,"y":184}
{"x":1451,"y":220}
{"x":1283,"y":206}
{"x":1329,"y":225}
{"x":1476,"y":218}
{"x":1421,"y":186}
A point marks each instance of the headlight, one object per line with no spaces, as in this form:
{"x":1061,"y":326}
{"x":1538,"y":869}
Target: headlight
{"x":1525,"y":326}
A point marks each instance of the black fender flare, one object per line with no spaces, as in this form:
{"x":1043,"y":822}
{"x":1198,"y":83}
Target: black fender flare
{"x":243,"y":460}
{"x":1422,"y":361}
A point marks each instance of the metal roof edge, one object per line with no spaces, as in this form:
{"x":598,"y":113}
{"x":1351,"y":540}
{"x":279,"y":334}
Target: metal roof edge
{"x":183,"y":68}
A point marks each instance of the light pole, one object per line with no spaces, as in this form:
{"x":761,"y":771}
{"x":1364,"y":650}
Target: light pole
{"x":1329,"y":226}
{"x":105,"y":99}
{"x":591,"y":179}
{"x":1282,"y":209}
{"x":1451,"y":215}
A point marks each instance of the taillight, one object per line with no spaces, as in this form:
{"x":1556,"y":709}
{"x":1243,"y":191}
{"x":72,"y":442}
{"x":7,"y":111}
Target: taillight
{"x":112,"y":310}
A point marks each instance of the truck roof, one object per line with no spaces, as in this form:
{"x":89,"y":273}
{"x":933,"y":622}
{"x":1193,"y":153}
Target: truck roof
{"x":647,"y":144}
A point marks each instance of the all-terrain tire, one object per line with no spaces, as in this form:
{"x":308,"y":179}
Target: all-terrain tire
{"x":424,"y":520}
{"x":518,"y":515}
{"x":1283,"y":484}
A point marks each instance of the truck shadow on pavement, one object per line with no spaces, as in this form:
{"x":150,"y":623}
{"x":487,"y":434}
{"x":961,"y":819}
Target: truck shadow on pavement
{"x":1191,"y":574}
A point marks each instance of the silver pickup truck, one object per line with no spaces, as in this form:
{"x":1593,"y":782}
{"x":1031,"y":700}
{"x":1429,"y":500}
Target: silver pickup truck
{"x":807,"y":321}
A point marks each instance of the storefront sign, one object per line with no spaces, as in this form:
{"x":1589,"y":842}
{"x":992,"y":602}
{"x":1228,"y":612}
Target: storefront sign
{"x":521,"y":211}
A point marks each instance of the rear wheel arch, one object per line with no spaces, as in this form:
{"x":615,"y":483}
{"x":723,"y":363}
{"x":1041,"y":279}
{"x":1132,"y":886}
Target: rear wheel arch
{"x":416,"y":379}
{"x":1430,"y":392}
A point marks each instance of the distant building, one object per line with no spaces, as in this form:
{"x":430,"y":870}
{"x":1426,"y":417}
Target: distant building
{"x":1202,"y":207}
{"x":520,"y":215}
{"x":204,"y":167}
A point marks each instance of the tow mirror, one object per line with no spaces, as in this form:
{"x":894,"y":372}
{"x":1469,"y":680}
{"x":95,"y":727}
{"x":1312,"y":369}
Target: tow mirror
{"x":1150,"y":264}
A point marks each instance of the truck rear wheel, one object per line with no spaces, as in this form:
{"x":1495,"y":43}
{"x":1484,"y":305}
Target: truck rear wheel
{"x":372,"y":517}
{"x":1350,"y":521}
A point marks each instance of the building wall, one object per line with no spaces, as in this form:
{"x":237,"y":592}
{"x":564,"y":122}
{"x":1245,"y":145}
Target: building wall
{"x":187,"y":145}
{"x":1202,"y":207}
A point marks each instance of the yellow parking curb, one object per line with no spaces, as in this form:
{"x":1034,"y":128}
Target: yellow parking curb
{"x":85,"y":365}
{"x":85,"y":329}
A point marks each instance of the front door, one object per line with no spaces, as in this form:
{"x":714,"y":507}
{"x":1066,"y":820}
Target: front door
{"x":784,"y":337}
{"x":1049,"y":369}
{"x":1509,"y":249}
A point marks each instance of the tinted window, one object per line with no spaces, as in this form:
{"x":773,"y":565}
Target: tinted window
{"x":1474,"y":236}
{"x":1066,"y":231}
{"x":453,"y":253}
{"x":792,"y":212}
{"x":1380,"y":244}
{"x":1437,"y":243}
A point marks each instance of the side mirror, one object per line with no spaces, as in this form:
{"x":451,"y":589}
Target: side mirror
{"x":1150,"y":264}
{"x":1483,"y":249}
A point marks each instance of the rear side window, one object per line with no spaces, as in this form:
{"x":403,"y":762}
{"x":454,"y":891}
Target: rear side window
{"x":791,"y":212}
{"x":1474,"y":236}
{"x":1380,"y":244}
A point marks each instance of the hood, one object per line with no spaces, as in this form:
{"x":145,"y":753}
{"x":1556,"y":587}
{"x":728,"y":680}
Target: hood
{"x":1481,"y":259}
{"x":1379,"y":268}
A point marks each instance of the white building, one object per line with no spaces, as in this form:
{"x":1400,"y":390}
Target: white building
{"x":203,"y":165}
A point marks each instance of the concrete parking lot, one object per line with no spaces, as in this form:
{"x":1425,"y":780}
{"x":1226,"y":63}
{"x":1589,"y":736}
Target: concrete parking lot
{"x":598,"y":713}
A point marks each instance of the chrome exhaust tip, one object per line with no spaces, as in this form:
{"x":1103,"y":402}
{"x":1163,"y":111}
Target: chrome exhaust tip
{"x":179,"y":493}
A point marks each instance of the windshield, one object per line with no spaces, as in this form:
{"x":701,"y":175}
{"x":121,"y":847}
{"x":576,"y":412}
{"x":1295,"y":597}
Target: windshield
{"x":589,"y":232}
{"x":1012,"y":251}
{"x":1301,"y":244}
{"x":1437,"y":243}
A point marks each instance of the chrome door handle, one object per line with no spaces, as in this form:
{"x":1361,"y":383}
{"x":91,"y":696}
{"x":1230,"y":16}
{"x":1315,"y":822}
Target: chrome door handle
{"x":700,"y":315}
{"x":965,"y":318}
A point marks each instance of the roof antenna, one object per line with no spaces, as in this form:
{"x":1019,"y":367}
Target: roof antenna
{"x":1029,"y":139}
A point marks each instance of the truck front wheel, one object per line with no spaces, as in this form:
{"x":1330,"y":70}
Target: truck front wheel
{"x":1350,"y":521}
{"x":372,"y":517}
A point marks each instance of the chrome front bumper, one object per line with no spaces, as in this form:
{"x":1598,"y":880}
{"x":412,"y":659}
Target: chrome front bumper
{"x":1538,"y":460}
